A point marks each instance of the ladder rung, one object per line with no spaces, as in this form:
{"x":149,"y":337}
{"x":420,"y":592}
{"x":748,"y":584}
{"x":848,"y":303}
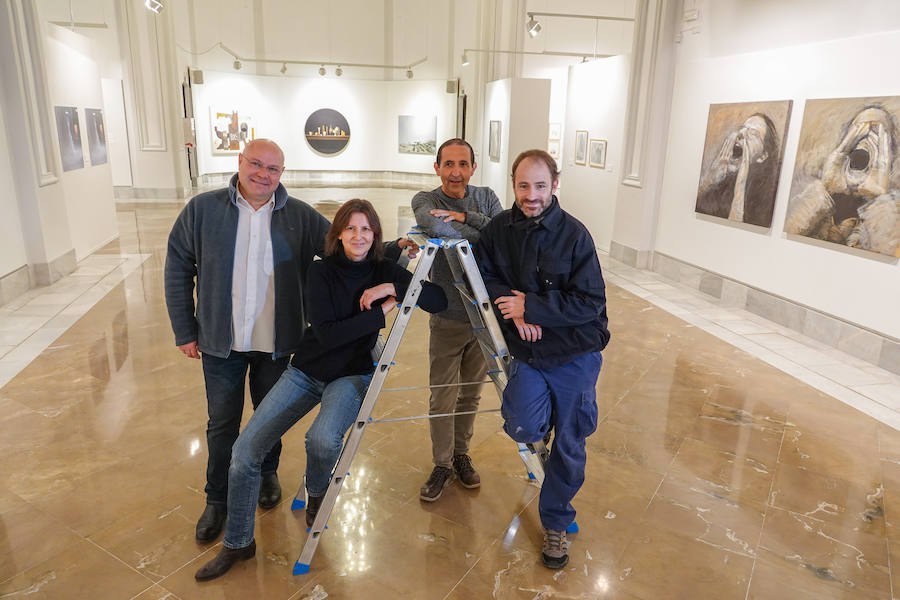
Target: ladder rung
{"x":464,"y":292}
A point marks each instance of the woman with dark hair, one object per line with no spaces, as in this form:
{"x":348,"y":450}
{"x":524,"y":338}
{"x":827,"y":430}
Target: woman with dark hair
{"x":348,"y":294}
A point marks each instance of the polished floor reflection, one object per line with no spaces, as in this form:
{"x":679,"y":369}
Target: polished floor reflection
{"x":713,"y":474}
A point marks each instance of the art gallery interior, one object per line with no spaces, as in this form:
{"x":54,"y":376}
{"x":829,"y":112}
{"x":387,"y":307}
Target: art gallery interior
{"x":748,"y":444}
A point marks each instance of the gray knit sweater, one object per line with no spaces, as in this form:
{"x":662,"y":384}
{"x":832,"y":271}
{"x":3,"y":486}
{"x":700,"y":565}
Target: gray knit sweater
{"x":480,"y":205}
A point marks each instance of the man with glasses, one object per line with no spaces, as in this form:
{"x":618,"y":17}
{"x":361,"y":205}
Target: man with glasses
{"x":248,"y":246}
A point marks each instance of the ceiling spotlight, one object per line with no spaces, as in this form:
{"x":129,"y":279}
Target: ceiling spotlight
{"x":283,"y":68}
{"x":339,"y":71}
{"x":236,"y":64}
{"x":153,"y":6}
{"x":409,"y":73}
{"x":322,"y":70}
{"x":465,"y":60}
{"x":533,"y":27}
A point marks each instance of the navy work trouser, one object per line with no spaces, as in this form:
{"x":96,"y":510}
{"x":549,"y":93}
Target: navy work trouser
{"x":566,"y":395}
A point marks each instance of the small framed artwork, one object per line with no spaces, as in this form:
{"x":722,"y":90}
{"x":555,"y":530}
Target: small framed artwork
{"x":581,"y":143}
{"x":494,"y":142}
{"x":597,"y":154}
{"x":553,"y":133}
{"x":416,"y":134}
{"x":553,"y":149}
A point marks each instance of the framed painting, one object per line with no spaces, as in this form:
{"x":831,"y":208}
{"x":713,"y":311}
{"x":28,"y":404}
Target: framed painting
{"x":327,"y":131}
{"x":69,"y":132}
{"x":96,"y":137}
{"x":581,"y":146}
{"x":230,"y":131}
{"x":597,"y":154}
{"x":494,"y":141}
{"x":416,"y":135}
{"x":742,"y":159}
{"x":554,"y":131}
{"x":847,"y":174}
{"x":553,"y":149}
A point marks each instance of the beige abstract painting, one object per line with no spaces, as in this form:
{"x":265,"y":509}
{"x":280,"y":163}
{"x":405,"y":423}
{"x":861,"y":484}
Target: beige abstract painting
{"x":846,"y":184}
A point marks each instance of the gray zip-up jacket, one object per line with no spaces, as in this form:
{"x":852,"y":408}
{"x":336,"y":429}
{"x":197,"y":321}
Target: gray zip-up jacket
{"x":480,"y":204}
{"x":201,"y":247}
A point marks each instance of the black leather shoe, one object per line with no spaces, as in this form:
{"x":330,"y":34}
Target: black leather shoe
{"x":209,"y":526}
{"x":269,"y":491}
{"x":225,"y":560}
{"x":312,"y":508}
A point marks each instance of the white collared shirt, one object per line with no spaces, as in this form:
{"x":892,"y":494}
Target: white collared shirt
{"x":253,"y":279}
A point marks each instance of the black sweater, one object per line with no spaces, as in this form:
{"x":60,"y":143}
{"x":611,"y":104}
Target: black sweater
{"x":340,"y":338}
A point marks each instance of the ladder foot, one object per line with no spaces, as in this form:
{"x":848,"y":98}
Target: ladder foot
{"x":573,"y":528}
{"x":300,"y":568}
{"x":297,"y":504}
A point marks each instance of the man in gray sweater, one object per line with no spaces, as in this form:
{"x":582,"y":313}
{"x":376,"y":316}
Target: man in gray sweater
{"x":454,"y":210}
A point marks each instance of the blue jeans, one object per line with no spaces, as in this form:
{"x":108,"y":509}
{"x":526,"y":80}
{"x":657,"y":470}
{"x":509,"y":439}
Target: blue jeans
{"x":225,"y":381}
{"x":294,"y":395}
{"x":565,"y":398}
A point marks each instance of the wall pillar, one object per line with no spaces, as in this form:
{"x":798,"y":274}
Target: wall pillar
{"x":646,"y":131}
{"x":153,"y":103}
{"x":32,"y":148}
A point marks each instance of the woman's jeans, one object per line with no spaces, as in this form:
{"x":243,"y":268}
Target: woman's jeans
{"x":294,"y":395}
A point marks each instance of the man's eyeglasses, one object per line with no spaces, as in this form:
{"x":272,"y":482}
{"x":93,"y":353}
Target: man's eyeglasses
{"x":271,"y":169}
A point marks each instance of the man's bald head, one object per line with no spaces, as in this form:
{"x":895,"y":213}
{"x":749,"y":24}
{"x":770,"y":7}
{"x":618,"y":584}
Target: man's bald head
{"x":260,"y":166}
{"x":268,"y":145}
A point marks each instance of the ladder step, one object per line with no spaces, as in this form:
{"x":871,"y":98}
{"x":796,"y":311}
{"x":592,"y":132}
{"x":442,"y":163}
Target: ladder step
{"x":484,"y":336}
{"x":463,"y":290}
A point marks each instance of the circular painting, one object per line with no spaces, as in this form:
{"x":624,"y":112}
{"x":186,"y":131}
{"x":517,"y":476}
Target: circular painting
{"x":327,"y":131}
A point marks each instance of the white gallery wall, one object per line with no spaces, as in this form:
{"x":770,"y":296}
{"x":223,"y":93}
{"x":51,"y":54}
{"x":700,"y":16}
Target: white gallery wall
{"x":494,"y":174}
{"x":522,"y":106}
{"x":12,"y":243}
{"x":856,"y":286}
{"x":74,"y":80}
{"x":596,"y":100}
{"x":279,"y":107}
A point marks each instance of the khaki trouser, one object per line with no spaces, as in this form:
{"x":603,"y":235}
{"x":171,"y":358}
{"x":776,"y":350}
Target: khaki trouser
{"x":455,"y":357}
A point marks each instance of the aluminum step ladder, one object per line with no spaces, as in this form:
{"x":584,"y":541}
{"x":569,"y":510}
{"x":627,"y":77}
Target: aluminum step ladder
{"x":486,"y":330}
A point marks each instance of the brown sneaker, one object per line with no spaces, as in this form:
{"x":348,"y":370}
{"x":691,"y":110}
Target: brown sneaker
{"x":466,"y":473}
{"x":555,"y":551}
{"x":440,"y":478}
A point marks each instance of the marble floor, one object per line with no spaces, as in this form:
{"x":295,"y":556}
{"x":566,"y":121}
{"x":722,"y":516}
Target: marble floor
{"x":734,"y":459}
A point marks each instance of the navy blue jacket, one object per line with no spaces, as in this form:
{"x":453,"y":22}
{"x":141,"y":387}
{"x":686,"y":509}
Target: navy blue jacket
{"x":201,"y":247}
{"x":553,"y":260}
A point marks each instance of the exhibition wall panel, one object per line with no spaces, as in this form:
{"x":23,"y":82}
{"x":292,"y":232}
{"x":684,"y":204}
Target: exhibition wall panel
{"x":855,"y":286}
{"x":596,"y":104}
{"x":515,"y":119}
{"x":494,"y":174}
{"x":278,"y":108}
{"x":74,"y":80}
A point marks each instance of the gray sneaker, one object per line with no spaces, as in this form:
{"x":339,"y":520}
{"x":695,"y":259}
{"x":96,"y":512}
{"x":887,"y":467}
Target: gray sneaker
{"x":555,"y":553}
{"x":440,"y":478}
{"x":465,"y":472}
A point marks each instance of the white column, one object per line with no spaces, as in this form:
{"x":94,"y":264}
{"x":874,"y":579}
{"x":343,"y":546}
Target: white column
{"x":646,"y":130}
{"x":153,"y":102}
{"x":33,"y":154}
